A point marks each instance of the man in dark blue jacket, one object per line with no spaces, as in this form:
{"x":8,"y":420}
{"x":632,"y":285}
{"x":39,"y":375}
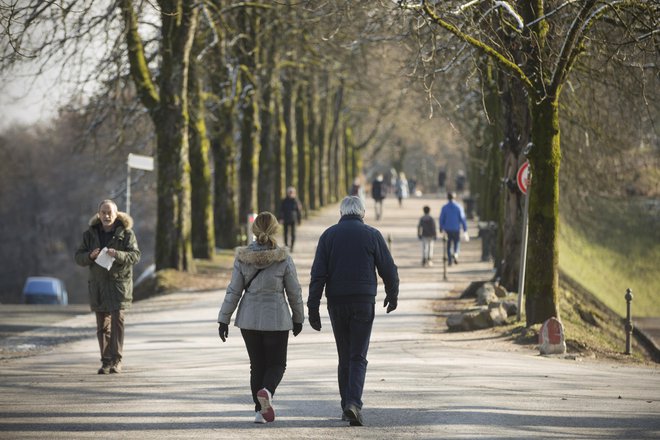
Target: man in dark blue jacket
{"x":345,"y":264}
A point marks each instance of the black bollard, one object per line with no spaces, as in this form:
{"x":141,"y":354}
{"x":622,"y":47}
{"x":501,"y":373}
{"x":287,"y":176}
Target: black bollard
{"x":629,"y":324}
{"x":444,"y":257}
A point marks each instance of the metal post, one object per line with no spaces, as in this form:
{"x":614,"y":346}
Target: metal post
{"x":523,"y":257}
{"x":629,"y":324}
{"x":128,"y":188}
{"x":444,"y":257}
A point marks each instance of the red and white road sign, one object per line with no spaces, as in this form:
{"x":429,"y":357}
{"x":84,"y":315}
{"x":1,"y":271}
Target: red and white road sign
{"x":523,"y":178}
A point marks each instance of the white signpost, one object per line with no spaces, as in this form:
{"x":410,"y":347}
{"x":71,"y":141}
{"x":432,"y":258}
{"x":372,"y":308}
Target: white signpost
{"x":524,"y":179}
{"x":138,"y":162}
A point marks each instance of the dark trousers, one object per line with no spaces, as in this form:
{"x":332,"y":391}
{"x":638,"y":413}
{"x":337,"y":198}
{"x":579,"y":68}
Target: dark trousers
{"x":453,"y":244}
{"x":110,"y":333}
{"x":289,"y":228}
{"x":267,"y":352}
{"x":351,"y":326}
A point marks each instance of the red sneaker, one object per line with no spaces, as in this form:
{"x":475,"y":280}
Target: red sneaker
{"x":265,"y":400}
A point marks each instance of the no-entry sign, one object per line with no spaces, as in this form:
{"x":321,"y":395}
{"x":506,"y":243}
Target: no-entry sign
{"x":523,"y":177}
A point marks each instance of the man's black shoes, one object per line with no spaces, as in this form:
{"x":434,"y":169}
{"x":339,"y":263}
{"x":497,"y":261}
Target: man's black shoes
{"x":353,"y":415}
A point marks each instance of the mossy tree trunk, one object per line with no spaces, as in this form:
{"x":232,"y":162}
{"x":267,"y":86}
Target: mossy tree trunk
{"x":334,"y":142}
{"x":203,"y":237}
{"x":248,"y":108}
{"x":287,"y":115}
{"x":302,"y":144}
{"x":279,"y":139}
{"x":312,"y":107}
{"x":168,"y":108}
{"x":541,"y":279}
{"x":224,"y":149}
{"x":224,"y":85}
{"x":321,"y":139}
{"x":266,"y":200}
{"x":517,"y":129}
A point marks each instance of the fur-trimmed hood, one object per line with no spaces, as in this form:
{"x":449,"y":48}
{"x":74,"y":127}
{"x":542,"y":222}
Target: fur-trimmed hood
{"x":123,"y":217}
{"x":260,"y":256}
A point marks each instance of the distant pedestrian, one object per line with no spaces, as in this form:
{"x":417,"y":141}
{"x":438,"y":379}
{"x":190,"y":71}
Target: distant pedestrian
{"x":290,"y":216}
{"x":460,"y":182}
{"x":401,"y":188}
{"x":452,"y":218}
{"x":109,"y":248}
{"x":356,"y":189}
{"x":265,"y":281}
{"x":347,"y":258}
{"x":442,"y":179}
{"x":427,"y":233}
{"x":378,"y":193}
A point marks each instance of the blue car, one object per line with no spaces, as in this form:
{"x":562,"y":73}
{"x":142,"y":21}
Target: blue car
{"x":45,"y":290}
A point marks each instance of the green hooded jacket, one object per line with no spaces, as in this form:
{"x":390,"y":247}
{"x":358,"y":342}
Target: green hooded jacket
{"x":112,"y":289}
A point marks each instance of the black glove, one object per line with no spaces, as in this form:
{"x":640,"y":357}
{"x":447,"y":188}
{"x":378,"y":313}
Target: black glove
{"x":390,"y":303}
{"x":297,"y":328}
{"x":223,"y":331}
{"x":315,"y":319}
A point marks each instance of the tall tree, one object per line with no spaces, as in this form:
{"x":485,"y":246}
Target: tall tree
{"x":247,"y":54}
{"x":167,"y":104}
{"x":547,"y":64}
{"x":202,"y":230}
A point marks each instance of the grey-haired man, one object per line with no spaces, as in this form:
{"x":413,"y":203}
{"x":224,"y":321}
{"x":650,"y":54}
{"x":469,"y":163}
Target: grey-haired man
{"x":347,"y":257}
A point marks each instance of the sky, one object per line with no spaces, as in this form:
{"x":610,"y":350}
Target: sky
{"x":27,"y":100}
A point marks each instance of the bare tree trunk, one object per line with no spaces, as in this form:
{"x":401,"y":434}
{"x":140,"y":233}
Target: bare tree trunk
{"x":287,"y":109}
{"x":224,"y":182}
{"x":302,"y":148}
{"x":267,"y":164}
{"x":322,"y":162}
{"x":313,"y":144}
{"x":203,"y":239}
{"x":279,"y":139}
{"x":248,"y":54}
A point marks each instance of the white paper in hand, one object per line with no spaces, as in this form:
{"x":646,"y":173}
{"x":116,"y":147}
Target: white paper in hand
{"x":466,"y":236}
{"x":104,"y":260}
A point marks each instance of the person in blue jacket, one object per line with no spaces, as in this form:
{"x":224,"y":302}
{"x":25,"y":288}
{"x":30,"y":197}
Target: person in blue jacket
{"x":347,"y":258}
{"x":452,"y":218}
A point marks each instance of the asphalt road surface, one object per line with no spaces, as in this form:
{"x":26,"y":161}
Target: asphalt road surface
{"x":180,"y":381}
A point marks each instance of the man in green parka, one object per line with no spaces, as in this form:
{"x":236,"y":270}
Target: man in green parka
{"x":109,"y":248}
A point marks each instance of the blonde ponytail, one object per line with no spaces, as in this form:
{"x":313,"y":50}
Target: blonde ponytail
{"x":265,"y":228}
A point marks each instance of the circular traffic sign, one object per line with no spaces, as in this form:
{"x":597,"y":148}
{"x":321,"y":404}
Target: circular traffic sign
{"x":523,"y":177}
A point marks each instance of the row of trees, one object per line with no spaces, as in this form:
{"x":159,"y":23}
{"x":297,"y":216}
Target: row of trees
{"x":246,"y":98}
{"x":526,"y":52}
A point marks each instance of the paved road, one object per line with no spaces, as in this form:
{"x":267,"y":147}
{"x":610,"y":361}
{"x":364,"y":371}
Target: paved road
{"x":180,"y":381}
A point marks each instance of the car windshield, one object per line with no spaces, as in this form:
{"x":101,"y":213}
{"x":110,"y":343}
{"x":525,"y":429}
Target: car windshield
{"x":40,"y":298}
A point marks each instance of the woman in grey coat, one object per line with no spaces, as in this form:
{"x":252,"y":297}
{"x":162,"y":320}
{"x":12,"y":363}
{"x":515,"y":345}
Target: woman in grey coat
{"x":265,"y":282}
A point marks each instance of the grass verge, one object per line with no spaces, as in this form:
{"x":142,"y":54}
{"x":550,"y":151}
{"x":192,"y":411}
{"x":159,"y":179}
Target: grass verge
{"x":615,"y":247}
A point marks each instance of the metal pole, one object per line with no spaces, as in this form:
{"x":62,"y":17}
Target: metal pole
{"x":444,"y":257}
{"x":128,"y":188}
{"x":629,"y":323}
{"x":523,"y":256}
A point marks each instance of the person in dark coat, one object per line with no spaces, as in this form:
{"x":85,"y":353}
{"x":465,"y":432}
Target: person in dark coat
{"x":347,"y":258}
{"x":109,"y":238}
{"x":378,"y":193}
{"x":290,"y":215}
